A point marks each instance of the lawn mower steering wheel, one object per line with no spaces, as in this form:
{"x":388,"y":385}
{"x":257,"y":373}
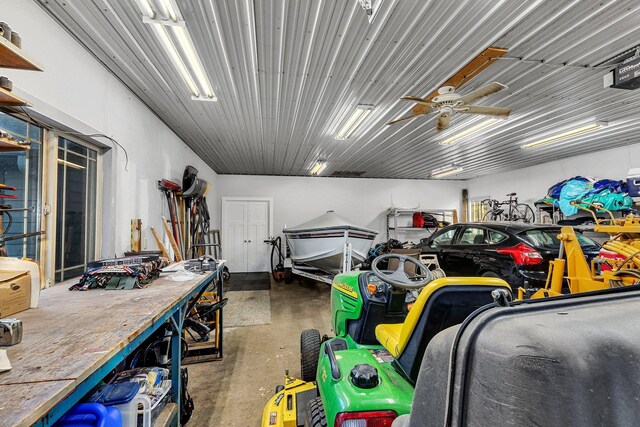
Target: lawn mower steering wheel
{"x":399,"y":278}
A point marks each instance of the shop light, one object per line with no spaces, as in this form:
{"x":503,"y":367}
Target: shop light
{"x":564,"y":135}
{"x":178,"y":45}
{"x":318,"y":167}
{"x":446,"y":171}
{"x":469,"y":131}
{"x":169,"y":9}
{"x":361,"y":112}
{"x":177,"y":60}
{"x":187,"y":47}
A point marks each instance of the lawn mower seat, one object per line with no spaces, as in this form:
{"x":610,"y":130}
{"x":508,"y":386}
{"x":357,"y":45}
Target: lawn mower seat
{"x":441,"y":304}
{"x":409,"y":267}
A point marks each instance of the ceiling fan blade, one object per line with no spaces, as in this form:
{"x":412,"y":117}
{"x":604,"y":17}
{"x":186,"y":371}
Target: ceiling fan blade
{"x":418,"y":100}
{"x":489,"y":111}
{"x":482,"y":92}
{"x":402,"y":119}
{"x":443,"y":121}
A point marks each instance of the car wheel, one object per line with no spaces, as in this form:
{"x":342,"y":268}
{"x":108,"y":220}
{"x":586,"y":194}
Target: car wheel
{"x":315,"y":414}
{"x":309,"y":353}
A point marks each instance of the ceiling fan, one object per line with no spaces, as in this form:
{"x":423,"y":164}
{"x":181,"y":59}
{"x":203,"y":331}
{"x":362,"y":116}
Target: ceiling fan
{"x":446,"y":101}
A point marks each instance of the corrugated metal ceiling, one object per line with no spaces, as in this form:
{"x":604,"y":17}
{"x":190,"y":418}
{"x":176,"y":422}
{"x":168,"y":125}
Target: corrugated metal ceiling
{"x":287,"y":74}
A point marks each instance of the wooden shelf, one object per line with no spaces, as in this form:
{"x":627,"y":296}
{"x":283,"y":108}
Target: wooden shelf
{"x":11,"y":145}
{"x":8,"y":99}
{"x":12,"y":56}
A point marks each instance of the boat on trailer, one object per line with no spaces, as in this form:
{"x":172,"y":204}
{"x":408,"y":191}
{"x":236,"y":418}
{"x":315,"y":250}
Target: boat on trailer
{"x":327,"y":245}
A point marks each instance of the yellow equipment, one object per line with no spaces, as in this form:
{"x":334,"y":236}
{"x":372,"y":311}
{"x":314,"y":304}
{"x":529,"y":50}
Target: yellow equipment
{"x":282,"y":409}
{"x":582,"y":277}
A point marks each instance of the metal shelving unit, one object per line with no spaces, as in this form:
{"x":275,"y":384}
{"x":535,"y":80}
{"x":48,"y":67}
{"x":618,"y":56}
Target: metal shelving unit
{"x":398,"y":218}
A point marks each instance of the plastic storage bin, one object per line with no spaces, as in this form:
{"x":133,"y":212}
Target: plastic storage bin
{"x":633,"y":182}
{"x":141,"y":411}
{"x":141,"y":408}
{"x":91,"y":415}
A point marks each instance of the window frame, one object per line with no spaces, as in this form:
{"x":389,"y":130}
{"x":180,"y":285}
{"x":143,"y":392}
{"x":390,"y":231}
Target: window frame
{"x":54,"y":139}
{"x":455,"y":229}
{"x":463,"y":230}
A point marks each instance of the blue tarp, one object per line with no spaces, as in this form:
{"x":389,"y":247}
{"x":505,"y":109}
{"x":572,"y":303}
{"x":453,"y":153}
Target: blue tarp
{"x":610,"y":194}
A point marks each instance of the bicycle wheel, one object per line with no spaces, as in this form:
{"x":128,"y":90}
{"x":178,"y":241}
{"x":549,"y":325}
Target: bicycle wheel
{"x":493,"y":216}
{"x":524,"y":213}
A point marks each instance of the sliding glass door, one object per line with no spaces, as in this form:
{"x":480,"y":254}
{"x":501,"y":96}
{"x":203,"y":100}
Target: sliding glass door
{"x":76,"y":208}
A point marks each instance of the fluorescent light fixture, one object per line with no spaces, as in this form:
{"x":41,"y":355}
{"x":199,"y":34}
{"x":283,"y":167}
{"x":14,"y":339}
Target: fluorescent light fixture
{"x":169,"y":9}
{"x":187,"y":47}
{"x":446,"y":171}
{"x":147,"y":9}
{"x":469,"y":131}
{"x":361,"y":112}
{"x":71,"y":164}
{"x":318,"y":167}
{"x":178,"y":44}
{"x":177,"y":60}
{"x":564,"y":135}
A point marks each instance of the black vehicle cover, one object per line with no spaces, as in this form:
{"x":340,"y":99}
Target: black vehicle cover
{"x":569,"y":361}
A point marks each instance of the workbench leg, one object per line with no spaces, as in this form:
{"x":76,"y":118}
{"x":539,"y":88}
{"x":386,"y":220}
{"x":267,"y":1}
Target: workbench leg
{"x":176,"y":358}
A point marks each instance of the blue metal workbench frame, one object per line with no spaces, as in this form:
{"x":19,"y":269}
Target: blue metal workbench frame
{"x":175,"y":316}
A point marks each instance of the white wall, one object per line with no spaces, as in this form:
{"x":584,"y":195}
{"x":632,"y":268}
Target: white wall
{"x":360,"y":200}
{"x":77,"y":91}
{"x":532,"y":183}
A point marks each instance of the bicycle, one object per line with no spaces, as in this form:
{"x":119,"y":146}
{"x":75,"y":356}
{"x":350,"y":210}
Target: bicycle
{"x":517,"y":212}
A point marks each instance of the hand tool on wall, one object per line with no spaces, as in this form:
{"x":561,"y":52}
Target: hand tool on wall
{"x":159,"y":242}
{"x":174,"y":245}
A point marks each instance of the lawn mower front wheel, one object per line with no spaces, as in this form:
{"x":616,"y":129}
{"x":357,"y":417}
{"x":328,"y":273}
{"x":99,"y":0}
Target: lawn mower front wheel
{"x":309,"y":352}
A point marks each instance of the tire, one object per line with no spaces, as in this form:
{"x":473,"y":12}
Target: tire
{"x":315,"y":414}
{"x":309,"y":353}
{"x":492,"y":216}
{"x":491,"y":274}
{"x":525,"y":213}
{"x":279,"y":388}
{"x":288,"y":276}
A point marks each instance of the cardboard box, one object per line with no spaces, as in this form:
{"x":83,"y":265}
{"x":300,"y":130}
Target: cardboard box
{"x":24,"y":264}
{"x":15,"y":292}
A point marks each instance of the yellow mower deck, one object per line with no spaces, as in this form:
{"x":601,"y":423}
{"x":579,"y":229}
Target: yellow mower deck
{"x":282,"y":409}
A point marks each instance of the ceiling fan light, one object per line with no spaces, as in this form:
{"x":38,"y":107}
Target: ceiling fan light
{"x":558,"y":138}
{"x":354,"y":121}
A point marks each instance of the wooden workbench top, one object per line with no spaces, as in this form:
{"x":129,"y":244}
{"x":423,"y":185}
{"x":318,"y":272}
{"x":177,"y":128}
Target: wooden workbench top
{"x":70,"y":335}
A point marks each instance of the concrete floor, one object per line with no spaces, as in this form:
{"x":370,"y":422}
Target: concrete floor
{"x":233,"y":392}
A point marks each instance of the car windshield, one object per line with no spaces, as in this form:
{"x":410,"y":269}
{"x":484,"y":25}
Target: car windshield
{"x":548,"y":238}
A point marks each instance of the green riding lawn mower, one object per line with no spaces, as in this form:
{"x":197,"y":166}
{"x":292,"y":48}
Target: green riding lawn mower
{"x":366,"y":374}
{"x":463,"y":354}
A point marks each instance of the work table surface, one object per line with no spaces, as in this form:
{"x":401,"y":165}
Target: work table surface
{"x":71,"y":334}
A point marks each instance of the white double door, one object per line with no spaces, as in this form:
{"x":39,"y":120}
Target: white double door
{"x":246,"y":225}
